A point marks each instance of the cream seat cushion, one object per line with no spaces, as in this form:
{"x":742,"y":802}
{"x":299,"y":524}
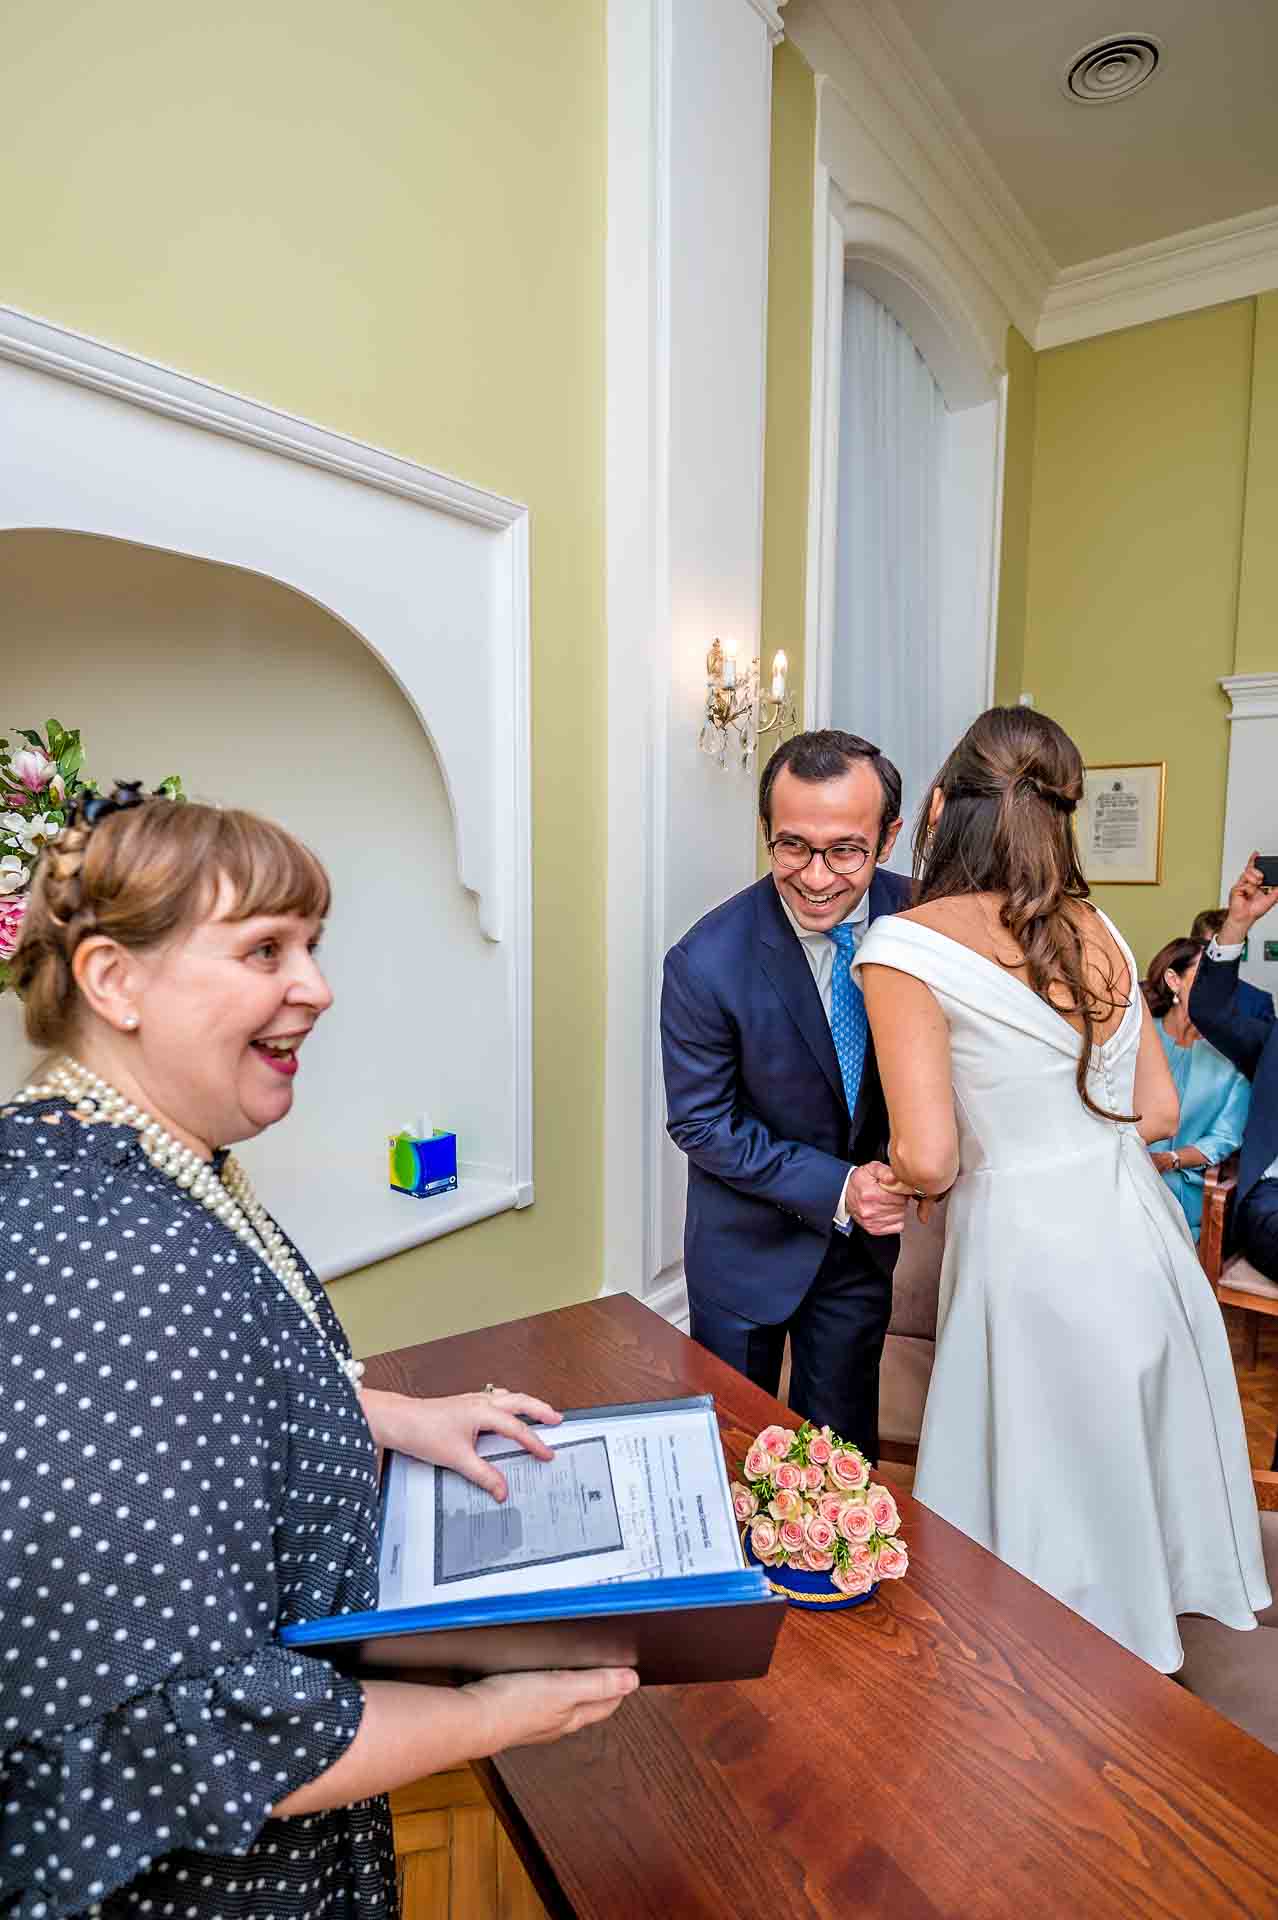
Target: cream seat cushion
{"x":1243,"y":1277}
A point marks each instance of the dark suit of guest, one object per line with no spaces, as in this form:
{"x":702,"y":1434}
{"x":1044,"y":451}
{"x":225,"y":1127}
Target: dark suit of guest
{"x":756,"y":1100}
{"x":1247,"y":1034}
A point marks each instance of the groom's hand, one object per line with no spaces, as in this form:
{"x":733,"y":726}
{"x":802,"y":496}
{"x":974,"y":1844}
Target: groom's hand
{"x":871,"y":1205}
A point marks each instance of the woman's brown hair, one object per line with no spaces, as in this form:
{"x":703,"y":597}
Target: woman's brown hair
{"x":141,"y":875}
{"x":1178,"y":956}
{"x":1010,"y":787}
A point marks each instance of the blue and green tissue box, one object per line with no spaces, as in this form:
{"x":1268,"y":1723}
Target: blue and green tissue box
{"x":422,"y":1166}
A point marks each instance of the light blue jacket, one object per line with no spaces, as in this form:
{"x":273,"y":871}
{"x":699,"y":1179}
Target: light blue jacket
{"x":1214,"y":1099}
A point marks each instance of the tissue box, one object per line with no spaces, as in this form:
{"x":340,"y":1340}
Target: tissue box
{"x":420,"y":1167}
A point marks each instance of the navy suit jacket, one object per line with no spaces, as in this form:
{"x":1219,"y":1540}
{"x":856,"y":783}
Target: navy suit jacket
{"x":1246,"y":1033}
{"x":755,"y":1099}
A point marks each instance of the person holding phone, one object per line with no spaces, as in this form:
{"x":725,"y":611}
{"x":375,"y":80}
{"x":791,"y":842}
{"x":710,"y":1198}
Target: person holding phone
{"x":1247,"y":1035}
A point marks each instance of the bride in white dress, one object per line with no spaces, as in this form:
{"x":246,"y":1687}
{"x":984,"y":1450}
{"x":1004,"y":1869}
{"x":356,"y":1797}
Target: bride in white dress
{"x":1083,"y":1420}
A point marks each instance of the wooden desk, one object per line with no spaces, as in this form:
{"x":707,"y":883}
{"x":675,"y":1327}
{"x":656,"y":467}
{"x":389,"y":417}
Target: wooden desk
{"x":961,"y":1746}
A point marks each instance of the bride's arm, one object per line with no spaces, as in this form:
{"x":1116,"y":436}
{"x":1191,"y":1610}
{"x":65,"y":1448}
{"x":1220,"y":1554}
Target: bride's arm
{"x":1157,"y":1102}
{"x":912,"y":1047}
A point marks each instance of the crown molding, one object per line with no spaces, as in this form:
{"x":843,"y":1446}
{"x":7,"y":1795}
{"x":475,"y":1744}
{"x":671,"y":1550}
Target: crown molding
{"x":1229,"y":260}
{"x":879,"y":69}
{"x":1252,"y":696}
{"x":770,"y":15}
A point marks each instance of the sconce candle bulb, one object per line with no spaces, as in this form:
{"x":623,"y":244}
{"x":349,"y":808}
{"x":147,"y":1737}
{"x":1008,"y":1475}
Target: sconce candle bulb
{"x":736,"y":705}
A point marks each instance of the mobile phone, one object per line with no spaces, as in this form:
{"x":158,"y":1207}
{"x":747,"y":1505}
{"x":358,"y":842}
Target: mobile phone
{"x":1268,"y":864}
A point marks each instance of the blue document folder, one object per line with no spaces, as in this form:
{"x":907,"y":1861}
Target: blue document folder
{"x":719,"y":1625}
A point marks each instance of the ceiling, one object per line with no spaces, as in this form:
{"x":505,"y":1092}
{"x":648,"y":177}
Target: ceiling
{"x":1198,"y":144}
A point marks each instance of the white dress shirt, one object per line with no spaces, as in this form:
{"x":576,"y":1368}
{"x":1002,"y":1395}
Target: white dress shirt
{"x":820,"y":953}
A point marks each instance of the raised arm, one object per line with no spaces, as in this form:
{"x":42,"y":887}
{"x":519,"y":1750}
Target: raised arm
{"x":912,"y":1047}
{"x":1213,"y":1006}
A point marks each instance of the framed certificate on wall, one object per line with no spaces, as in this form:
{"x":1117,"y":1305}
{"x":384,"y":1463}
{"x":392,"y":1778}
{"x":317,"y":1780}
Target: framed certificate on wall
{"x":1120,"y":824}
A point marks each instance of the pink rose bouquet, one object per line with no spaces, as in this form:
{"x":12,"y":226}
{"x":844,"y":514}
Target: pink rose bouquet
{"x":809,"y":1501}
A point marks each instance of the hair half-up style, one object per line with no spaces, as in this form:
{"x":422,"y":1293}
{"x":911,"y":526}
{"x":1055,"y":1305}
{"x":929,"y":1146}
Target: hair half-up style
{"x":141,"y":875}
{"x":1178,"y":956}
{"x":1010,"y":788}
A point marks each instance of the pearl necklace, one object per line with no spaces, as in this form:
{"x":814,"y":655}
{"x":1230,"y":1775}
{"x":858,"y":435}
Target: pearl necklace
{"x":229,"y":1198}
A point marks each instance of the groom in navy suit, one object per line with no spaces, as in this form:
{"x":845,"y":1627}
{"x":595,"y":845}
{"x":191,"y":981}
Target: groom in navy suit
{"x":773,"y":1094}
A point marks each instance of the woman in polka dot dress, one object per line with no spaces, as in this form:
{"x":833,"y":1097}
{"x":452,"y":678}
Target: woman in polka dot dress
{"x":186,"y":1462}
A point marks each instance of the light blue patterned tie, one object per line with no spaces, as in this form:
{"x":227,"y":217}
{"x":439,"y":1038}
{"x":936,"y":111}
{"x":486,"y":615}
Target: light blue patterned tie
{"x":847,"y":1014}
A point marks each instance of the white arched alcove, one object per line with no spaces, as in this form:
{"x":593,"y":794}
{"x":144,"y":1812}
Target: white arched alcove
{"x":872,"y":225}
{"x":403,"y":634}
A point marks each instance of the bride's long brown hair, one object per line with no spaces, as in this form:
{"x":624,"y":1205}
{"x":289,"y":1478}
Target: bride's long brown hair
{"x":1010,"y":788}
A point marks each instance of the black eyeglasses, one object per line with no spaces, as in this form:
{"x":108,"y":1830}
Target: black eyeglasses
{"x":791,"y":855}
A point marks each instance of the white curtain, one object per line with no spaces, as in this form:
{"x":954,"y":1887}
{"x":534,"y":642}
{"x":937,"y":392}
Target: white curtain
{"x":887,"y":680}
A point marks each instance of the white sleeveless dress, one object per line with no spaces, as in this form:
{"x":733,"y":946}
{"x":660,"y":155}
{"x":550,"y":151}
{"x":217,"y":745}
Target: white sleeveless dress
{"x":1083,"y":1420}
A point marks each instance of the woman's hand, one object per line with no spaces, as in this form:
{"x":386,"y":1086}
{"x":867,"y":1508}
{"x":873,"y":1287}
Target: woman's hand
{"x":924,"y":1202}
{"x":1163,"y":1163}
{"x":445,"y":1431}
{"x":529,"y":1709}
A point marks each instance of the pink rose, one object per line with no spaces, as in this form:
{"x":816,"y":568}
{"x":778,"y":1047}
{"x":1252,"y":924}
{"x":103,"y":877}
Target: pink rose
{"x":791,"y":1536}
{"x":789,"y":1478}
{"x":818,"y":1562}
{"x":12,"y":908}
{"x":820,"y":1532}
{"x":847,"y":1470}
{"x":763,"y":1539}
{"x":864,"y":1560}
{"x":787,"y":1505}
{"x":744,"y":1503}
{"x":849,"y":1582}
{"x":855,"y":1522}
{"x":33,"y":769}
{"x":776,"y":1441}
{"x":813,"y":1479}
{"x":883,"y":1507}
{"x":830,"y":1506}
{"x":894,"y":1560}
{"x":819,"y":1449}
{"x":758,"y":1464}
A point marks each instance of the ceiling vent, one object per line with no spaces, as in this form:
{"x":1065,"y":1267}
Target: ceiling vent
{"x":1110,"y":69}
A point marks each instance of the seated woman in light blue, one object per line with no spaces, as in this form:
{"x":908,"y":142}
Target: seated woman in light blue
{"x":1214,"y":1097}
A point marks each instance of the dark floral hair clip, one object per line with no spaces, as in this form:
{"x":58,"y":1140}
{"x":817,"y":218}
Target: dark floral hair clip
{"x":90,"y":808}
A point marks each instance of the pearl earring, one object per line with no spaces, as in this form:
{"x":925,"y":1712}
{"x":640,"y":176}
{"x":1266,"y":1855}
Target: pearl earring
{"x":130,"y":1022}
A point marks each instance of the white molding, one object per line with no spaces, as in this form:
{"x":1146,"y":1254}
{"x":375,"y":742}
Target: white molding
{"x":1230,"y":260}
{"x":771,"y":18}
{"x":101,"y":441}
{"x":872,"y":59}
{"x":669,"y":1298}
{"x":87,"y":362}
{"x":1252,"y":696}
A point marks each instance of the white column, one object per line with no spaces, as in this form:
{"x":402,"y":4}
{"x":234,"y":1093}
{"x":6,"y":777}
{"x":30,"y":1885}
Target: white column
{"x":1251,"y":812}
{"x":689,"y":139}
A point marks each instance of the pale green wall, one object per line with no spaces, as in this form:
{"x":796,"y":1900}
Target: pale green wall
{"x":389,"y":218}
{"x":789,"y":399}
{"x":1018,"y":486}
{"x":1140,"y":454}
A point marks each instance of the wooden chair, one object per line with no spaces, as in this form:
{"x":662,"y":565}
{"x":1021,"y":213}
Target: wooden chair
{"x":910,"y":1348}
{"x":1235,"y":1280}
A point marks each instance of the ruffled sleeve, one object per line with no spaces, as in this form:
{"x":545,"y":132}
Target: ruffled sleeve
{"x":146,"y":1704}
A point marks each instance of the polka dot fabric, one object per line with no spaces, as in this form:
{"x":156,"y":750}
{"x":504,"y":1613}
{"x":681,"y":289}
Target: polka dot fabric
{"x":848,"y":1022}
{"x":183,"y":1471}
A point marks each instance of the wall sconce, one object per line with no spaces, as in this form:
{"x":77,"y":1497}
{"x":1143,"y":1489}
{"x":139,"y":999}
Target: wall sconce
{"x":736,"y":706}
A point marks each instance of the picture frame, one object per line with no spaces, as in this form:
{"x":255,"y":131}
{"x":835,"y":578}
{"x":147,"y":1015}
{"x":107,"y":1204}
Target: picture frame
{"x":1120,"y":823}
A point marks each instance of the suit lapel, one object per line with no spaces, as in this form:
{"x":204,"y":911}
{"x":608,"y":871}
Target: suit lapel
{"x":786,"y":965}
